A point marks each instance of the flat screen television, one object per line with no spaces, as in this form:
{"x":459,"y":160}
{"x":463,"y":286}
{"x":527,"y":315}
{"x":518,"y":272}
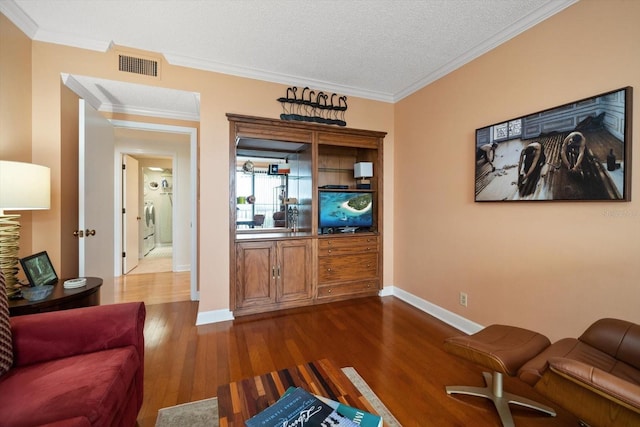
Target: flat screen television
{"x":340,"y":209}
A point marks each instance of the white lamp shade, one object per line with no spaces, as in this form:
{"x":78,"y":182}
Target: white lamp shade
{"x":24,"y":186}
{"x":363,"y":170}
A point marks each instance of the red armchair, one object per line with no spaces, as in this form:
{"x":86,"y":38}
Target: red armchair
{"x":80,"y":367}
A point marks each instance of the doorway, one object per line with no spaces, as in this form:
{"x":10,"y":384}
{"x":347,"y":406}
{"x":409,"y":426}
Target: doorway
{"x":142,"y":100}
{"x":154,"y":208}
{"x":166,"y":190}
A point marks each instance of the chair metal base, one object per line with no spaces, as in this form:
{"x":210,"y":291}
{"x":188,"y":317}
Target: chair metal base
{"x":500,"y":398}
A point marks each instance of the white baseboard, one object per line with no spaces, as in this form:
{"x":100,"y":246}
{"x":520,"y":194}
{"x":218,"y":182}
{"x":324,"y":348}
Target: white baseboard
{"x":214,"y":316}
{"x":450,"y":318}
{"x":386,"y":291}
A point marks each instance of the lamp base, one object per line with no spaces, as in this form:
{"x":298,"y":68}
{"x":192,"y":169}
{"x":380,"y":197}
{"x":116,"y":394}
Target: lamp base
{"x":363,"y":184}
{"x":9,"y":238}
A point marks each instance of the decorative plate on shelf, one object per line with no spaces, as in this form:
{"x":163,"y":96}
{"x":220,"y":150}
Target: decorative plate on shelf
{"x":248,"y":166}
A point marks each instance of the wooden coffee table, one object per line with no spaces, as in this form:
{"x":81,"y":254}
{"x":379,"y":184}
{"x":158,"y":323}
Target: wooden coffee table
{"x":238,"y":401}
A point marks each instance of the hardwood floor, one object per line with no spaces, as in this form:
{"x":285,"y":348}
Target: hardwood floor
{"x":396,"y":348}
{"x":153,"y":288}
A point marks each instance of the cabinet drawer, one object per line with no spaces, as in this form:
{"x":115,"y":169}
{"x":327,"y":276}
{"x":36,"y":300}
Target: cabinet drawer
{"x":344,"y":246}
{"x":343,"y":289}
{"x":352,"y":267}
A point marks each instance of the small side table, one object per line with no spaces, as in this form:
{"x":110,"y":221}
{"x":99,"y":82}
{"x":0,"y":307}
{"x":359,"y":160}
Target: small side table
{"x":60,"y":299}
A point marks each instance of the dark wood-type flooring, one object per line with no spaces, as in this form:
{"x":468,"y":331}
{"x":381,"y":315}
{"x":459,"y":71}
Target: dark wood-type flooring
{"x":396,"y":348}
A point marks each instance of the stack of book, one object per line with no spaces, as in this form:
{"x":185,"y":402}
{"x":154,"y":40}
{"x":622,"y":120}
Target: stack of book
{"x":299,"y":408}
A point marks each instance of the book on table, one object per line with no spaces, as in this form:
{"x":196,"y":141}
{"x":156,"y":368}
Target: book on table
{"x":297,"y":407}
{"x":358,"y":416}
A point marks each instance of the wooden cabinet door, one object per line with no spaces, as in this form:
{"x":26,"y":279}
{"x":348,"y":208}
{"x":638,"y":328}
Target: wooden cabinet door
{"x":255,"y":273}
{"x":294,"y":270}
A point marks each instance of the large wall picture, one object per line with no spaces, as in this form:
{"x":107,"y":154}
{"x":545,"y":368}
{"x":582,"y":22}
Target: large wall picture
{"x":577,"y":151}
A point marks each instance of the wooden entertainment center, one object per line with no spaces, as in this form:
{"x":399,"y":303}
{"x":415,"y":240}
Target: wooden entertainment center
{"x":290,"y":260}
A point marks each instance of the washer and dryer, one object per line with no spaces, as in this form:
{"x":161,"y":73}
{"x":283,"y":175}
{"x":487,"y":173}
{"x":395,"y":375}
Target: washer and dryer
{"x":149,"y":227}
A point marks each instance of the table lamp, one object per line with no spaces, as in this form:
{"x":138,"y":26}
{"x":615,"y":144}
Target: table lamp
{"x":23,"y":186}
{"x":364,"y":171}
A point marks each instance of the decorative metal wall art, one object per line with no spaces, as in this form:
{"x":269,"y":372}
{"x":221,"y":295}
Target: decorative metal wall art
{"x":310,"y":106}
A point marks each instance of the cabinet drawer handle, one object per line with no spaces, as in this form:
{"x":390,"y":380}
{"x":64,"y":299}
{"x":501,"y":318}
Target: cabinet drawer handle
{"x":329,"y":269}
{"x":329,"y":251}
{"x":329,"y":290}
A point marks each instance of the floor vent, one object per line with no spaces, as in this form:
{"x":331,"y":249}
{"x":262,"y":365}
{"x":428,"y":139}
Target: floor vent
{"x":131,"y":64}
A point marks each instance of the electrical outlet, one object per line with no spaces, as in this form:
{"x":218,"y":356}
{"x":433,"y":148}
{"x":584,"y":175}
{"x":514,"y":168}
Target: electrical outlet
{"x":463,"y":299}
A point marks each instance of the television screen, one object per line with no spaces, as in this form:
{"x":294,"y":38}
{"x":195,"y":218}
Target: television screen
{"x":345,"y":209}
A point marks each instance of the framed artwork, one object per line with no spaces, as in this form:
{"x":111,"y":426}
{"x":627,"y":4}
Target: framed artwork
{"x":576,"y":151}
{"x":38,"y":269}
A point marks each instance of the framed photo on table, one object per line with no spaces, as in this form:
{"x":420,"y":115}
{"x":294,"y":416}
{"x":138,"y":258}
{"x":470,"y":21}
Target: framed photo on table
{"x":580,"y":151}
{"x":39,"y":270}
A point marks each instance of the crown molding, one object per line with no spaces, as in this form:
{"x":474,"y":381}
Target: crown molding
{"x":20,"y":19}
{"x":286,"y":79}
{"x":73,"y":84}
{"x":73,"y":41}
{"x":11,"y":10}
{"x":164,"y":114}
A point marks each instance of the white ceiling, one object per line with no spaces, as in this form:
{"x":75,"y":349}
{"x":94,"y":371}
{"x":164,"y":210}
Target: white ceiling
{"x":376,"y":49}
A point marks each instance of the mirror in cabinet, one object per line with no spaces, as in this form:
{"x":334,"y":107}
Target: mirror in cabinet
{"x":273,"y":187}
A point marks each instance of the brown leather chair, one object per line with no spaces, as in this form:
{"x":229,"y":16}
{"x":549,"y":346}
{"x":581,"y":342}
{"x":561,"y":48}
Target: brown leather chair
{"x":258,"y":220}
{"x":595,"y":376}
{"x":280,"y":219}
{"x":502,"y":349}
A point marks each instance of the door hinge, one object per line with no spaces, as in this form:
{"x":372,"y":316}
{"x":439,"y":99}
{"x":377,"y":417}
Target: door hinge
{"x":124,"y":167}
{"x":124,"y":211}
{"x":124,"y":254}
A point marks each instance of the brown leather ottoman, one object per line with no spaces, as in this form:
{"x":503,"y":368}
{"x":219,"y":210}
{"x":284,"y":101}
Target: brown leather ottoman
{"x":503,"y":349}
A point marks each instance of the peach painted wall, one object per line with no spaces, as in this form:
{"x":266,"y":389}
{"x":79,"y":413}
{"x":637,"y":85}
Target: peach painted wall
{"x":219,"y":94}
{"x":15,"y":109}
{"x":552,"y":267}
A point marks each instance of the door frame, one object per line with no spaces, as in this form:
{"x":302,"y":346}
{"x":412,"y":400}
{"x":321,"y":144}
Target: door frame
{"x":193,"y":201}
{"x":128,"y":213}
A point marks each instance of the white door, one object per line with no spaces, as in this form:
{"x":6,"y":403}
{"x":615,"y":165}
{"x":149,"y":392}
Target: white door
{"x":96,"y":199}
{"x":130,"y":213}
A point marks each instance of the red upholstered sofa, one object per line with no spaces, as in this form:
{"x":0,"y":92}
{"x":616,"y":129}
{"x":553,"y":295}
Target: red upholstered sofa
{"x":80,"y":367}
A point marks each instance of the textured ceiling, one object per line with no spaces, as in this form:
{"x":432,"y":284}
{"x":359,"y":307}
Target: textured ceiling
{"x":377,"y":49}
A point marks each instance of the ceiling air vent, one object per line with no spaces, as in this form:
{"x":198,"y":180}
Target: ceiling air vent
{"x":131,"y":64}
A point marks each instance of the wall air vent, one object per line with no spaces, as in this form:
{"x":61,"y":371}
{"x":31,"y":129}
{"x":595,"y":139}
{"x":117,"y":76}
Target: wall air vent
{"x":131,"y":64}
